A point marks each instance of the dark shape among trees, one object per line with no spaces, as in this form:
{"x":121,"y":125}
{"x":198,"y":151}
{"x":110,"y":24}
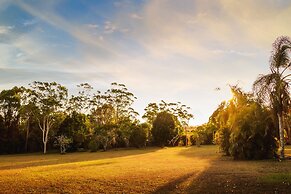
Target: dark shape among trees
{"x":164,"y":129}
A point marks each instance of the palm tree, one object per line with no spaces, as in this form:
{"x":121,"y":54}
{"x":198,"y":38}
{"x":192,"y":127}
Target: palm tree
{"x":274,"y":88}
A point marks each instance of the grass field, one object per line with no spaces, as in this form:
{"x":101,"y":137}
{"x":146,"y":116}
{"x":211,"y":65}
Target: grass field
{"x":150,"y":170}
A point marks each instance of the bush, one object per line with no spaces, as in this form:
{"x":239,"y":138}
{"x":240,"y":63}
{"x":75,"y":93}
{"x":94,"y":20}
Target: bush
{"x":245,"y":128}
{"x":93,"y":145}
{"x":63,"y":143}
{"x":253,"y":136}
{"x":164,"y":129}
{"x":222,"y":137}
{"x":138,"y":137}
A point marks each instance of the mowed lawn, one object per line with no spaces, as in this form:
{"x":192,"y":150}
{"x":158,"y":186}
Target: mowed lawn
{"x":151,"y":170}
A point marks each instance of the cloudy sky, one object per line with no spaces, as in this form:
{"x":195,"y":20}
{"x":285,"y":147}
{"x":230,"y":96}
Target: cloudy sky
{"x":160,"y":49}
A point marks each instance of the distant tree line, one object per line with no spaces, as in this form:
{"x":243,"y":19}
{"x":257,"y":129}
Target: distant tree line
{"x":43,"y":116}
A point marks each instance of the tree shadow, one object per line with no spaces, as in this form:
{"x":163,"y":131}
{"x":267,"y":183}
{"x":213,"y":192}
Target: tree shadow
{"x":9,"y":162}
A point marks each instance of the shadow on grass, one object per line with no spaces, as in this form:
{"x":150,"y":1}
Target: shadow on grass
{"x":224,"y":175}
{"x":10,"y":162}
{"x":173,"y":186}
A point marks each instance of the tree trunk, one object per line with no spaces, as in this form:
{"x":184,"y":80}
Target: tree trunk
{"x":44,"y":147}
{"x":186,"y":139}
{"x":288,"y":131}
{"x":281,"y":134}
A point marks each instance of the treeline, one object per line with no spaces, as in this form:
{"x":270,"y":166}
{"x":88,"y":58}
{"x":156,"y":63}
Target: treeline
{"x":43,"y":116}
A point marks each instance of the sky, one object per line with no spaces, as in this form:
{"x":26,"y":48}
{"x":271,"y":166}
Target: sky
{"x":160,"y":49}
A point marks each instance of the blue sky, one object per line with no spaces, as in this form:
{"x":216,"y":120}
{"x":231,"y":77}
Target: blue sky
{"x":160,"y":49}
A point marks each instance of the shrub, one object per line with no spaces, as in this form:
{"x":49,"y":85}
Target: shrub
{"x":138,"y":137}
{"x":63,"y":143}
{"x":245,"y":128}
{"x":93,"y":145}
{"x":164,"y":129}
{"x":222,"y":137}
{"x":253,"y":134}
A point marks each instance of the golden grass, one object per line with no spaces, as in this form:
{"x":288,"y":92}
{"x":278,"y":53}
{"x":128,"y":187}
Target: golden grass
{"x":150,"y":170}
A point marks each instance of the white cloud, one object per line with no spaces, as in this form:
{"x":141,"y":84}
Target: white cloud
{"x":136,"y":16}
{"x":93,"y":26}
{"x":30,"y":22}
{"x":5,"y":29}
{"x":109,"y":27}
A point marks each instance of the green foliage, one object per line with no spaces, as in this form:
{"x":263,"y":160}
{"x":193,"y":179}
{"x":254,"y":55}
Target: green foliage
{"x":63,"y":143}
{"x":203,"y":134}
{"x":180,"y":111}
{"x":252,"y":134}
{"x":10,"y":103}
{"x":245,"y":128}
{"x":222,"y":137}
{"x":50,"y":99}
{"x":93,"y":145}
{"x":75,"y":127}
{"x":139,"y":135}
{"x":164,"y":129}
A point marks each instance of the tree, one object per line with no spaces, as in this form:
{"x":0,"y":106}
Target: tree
{"x":28,"y":110}
{"x":81,"y":103}
{"x":63,"y":142}
{"x":274,"y":88}
{"x":245,"y":127}
{"x":179,"y":111}
{"x":164,"y":129}
{"x":112,"y":115}
{"x":139,"y":135}
{"x":75,"y":126}
{"x":10,"y":103}
{"x":121,"y":99}
{"x":49,"y":98}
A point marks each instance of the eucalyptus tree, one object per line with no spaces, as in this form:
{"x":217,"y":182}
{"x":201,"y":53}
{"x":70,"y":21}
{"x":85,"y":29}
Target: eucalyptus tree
{"x":28,"y":111}
{"x":181,"y":114}
{"x":121,"y":99}
{"x":180,"y":111}
{"x":81,"y":102}
{"x":112,"y":114}
{"x":50,"y":99}
{"x":274,"y":88}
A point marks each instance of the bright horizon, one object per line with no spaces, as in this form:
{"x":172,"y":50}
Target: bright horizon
{"x":161,"y":50}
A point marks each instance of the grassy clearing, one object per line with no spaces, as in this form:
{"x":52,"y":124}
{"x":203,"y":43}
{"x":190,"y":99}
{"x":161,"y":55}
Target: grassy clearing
{"x":151,"y":170}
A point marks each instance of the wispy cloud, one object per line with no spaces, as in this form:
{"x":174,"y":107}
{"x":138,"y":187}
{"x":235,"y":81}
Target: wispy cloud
{"x":30,"y":22}
{"x":5,"y":29}
{"x":92,"y":26}
{"x":135,"y":16}
{"x":109,"y":27}
{"x":52,"y":18}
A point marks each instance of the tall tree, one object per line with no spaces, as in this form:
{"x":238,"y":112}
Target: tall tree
{"x":81,"y":102}
{"x":10,"y":102}
{"x":50,"y":98}
{"x":274,"y":88}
